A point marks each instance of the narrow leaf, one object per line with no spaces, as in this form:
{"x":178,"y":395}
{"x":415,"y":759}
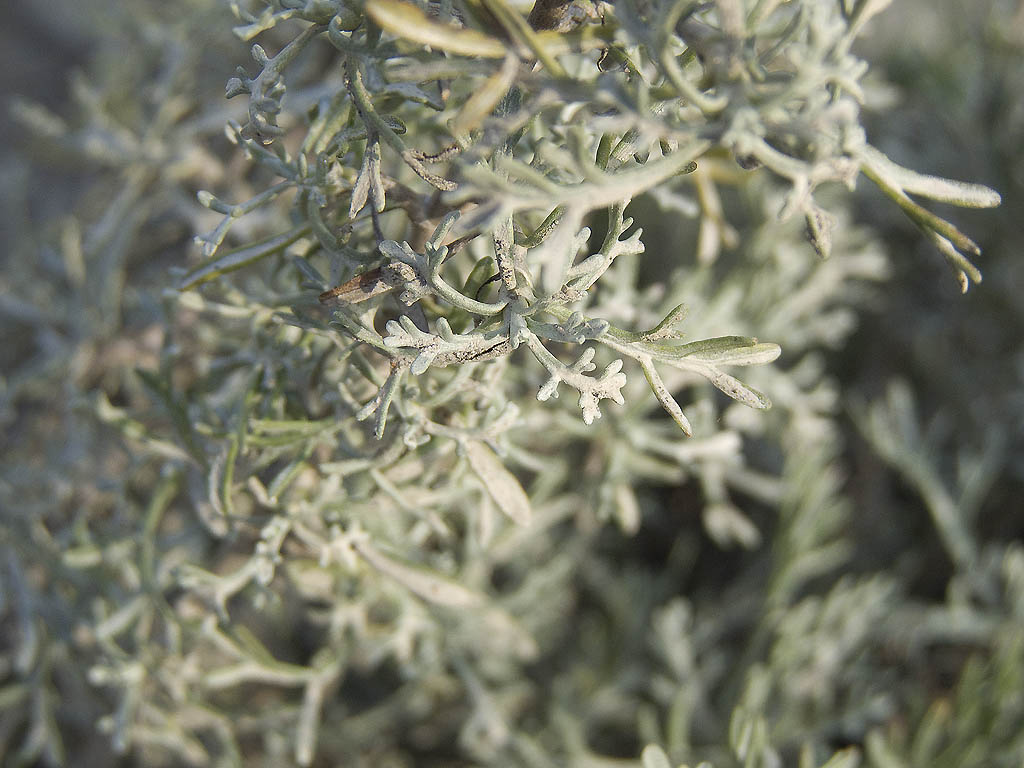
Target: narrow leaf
{"x":944,"y":190}
{"x":748,"y":353}
{"x":819,"y":230}
{"x":845,"y":758}
{"x":485,"y":98}
{"x":654,"y":756}
{"x":737,"y":390}
{"x":408,"y":22}
{"x":720,"y":350}
{"x":922,"y":216}
{"x":501,"y":485}
{"x":666,"y":329}
{"x":241,"y":257}
{"x":420,"y":581}
{"x":665,"y":397}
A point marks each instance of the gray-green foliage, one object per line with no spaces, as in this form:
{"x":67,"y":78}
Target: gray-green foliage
{"x":365,"y":530}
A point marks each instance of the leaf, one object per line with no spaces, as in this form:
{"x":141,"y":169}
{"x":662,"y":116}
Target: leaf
{"x":311,"y":273}
{"x":944,"y":190}
{"x":422,"y":582}
{"x":665,"y":397}
{"x":382,"y":402}
{"x":737,"y":390}
{"x":819,"y":230}
{"x":654,"y":756}
{"x":735,"y":350}
{"x":727,"y":525}
{"x":485,"y":98}
{"x":864,"y":12}
{"x":501,"y":485}
{"x":666,"y":329}
{"x":241,"y":257}
{"x":720,"y":350}
{"x":845,"y":758}
{"x":368,"y":182}
{"x":408,"y":22}
{"x":177,"y":408}
{"x":412,"y":92}
{"x":747,"y":733}
{"x":951,"y":242}
{"x":519,"y":30}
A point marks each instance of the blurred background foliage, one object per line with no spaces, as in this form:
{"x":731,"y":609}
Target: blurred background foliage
{"x":874,"y":609}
